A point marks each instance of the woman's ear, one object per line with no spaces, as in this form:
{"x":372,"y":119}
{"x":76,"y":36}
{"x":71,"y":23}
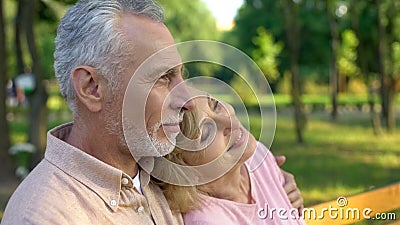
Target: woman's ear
{"x":85,"y":80}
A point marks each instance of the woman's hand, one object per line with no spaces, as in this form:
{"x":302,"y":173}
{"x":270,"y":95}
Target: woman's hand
{"x":290,"y":186}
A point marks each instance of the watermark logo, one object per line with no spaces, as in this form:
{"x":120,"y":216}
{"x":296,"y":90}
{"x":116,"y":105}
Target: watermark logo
{"x":333,"y":212}
{"x":341,"y":201}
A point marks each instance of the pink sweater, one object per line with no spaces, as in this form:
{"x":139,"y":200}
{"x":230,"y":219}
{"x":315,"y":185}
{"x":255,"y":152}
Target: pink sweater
{"x":271,"y":206}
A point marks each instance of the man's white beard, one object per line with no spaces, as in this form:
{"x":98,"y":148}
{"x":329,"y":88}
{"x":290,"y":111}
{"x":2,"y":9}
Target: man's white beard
{"x":146,"y":144}
{"x":139,"y":142}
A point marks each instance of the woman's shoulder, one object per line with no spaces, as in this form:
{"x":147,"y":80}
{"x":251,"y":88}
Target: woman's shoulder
{"x":261,"y":158}
{"x":263,"y":166}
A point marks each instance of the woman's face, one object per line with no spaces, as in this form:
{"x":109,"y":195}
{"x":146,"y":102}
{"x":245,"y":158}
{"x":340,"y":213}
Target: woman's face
{"x":222,"y":131}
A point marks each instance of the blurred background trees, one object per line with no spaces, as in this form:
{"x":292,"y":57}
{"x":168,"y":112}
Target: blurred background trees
{"x":5,"y":158}
{"x":341,"y":44}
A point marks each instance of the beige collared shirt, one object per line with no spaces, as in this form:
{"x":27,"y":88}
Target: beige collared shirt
{"x":72,"y":187}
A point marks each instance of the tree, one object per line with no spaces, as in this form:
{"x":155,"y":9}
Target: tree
{"x":334,"y":76}
{"x":314,"y":51}
{"x":293,"y":35}
{"x":7,"y":168}
{"x":18,"y":32}
{"x":24,"y":30}
{"x":359,"y":13}
{"x":266,"y":54}
{"x":386,"y":16}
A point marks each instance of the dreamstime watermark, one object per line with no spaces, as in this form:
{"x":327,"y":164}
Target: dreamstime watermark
{"x":333,"y":212}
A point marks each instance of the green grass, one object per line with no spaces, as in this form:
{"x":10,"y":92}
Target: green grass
{"x":324,"y":101}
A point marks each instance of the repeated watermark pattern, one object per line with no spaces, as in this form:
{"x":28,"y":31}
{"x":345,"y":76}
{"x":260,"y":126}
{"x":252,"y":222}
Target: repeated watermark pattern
{"x":150,"y":156}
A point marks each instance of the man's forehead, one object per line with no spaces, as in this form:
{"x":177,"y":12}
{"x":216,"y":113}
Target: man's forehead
{"x":151,"y":41}
{"x":157,"y":70}
{"x":159,"y":64}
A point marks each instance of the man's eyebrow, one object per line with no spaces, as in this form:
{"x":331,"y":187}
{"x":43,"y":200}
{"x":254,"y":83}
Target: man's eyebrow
{"x":161,"y":71}
{"x":172,"y":71}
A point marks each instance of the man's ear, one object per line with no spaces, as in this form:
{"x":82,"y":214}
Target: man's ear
{"x":86,"y":83}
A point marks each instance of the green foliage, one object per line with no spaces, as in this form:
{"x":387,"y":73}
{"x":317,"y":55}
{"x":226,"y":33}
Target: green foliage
{"x":314,"y":33}
{"x":182,"y":18}
{"x":46,"y":48}
{"x":396,"y":55}
{"x":252,"y":15}
{"x":266,"y":53}
{"x":189,"y":20}
{"x":348,"y":54}
{"x":47,"y":13}
{"x":45,"y":30}
{"x":9,"y":15}
{"x":245,"y":92}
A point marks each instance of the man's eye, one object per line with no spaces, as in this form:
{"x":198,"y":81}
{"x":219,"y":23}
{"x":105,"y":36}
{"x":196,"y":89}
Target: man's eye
{"x":164,"y":79}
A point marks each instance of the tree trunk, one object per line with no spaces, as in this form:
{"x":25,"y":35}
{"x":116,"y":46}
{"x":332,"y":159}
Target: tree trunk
{"x":386,"y":60}
{"x":38,"y":109}
{"x":18,"y":34}
{"x":391,"y":117}
{"x":390,"y":79}
{"x":362,"y":62}
{"x":293,"y":35}
{"x":7,"y":171}
{"x":333,"y":63}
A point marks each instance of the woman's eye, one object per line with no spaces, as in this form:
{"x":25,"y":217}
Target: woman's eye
{"x":216,"y":105}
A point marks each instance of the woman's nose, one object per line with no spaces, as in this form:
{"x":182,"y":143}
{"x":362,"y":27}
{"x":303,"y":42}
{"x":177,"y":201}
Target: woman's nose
{"x":229,"y":109}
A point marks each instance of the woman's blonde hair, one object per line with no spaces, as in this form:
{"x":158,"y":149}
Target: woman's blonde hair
{"x":183,"y":198}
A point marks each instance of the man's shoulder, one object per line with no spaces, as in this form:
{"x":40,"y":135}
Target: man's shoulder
{"x":44,"y":194}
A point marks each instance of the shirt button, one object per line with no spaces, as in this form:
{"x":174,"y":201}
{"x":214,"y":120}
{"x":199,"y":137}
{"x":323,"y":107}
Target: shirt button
{"x":113,"y":202}
{"x":140,"y":209}
{"x":125,"y":181}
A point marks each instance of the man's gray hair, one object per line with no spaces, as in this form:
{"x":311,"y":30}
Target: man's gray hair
{"x":88,"y":35}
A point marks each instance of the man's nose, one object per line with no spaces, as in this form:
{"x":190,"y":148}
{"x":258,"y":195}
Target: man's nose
{"x":182,"y":98}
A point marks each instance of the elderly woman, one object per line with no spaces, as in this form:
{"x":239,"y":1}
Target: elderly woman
{"x":226,"y":190}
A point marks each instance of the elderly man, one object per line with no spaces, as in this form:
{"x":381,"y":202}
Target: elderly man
{"x":89,"y":175}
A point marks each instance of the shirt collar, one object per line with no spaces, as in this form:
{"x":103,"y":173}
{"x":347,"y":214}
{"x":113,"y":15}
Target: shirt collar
{"x":100,"y":177}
